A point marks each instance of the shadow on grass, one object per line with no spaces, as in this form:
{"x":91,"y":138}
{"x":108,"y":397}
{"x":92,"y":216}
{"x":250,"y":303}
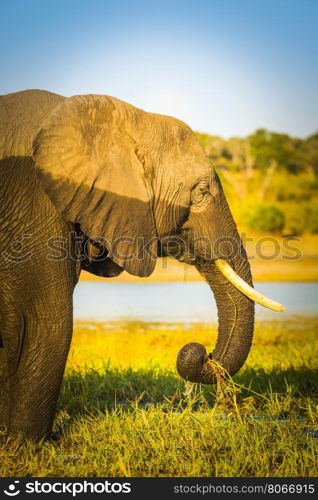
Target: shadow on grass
{"x":113,"y":387}
{"x":94,"y":391}
{"x":303,"y":380}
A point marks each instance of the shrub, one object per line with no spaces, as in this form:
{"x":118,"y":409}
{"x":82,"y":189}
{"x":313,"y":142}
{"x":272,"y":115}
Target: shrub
{"x":265,"y":218}
{"x":296,"y":218}
{"x":313,"y":221}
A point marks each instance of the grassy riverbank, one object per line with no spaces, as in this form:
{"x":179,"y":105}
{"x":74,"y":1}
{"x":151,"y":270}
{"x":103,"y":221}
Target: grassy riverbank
{"x":125,"y":412}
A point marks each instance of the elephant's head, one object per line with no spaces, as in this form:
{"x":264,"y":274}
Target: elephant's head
{"x":142,"y":185}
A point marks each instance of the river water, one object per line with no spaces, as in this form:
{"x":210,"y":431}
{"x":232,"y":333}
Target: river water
{"x":180,"y":301}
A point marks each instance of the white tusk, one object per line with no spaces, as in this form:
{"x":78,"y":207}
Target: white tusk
{"x":229,"y":273}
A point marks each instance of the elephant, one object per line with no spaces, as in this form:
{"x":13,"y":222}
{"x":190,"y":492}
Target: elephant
{"x":91,"y":172}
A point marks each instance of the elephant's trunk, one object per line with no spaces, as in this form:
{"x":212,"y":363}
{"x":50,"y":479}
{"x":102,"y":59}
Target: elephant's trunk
{"x":231,"y":283}
{"x":236,"y":324}
{"x":235,"y":310}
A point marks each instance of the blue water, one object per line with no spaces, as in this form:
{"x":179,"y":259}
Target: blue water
{"x":180,"y":301}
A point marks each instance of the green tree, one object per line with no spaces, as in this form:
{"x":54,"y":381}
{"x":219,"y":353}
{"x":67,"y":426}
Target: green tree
{"x":267,"y":147}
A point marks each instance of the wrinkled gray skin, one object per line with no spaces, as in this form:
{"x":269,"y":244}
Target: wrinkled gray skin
{"x":96,"y":166}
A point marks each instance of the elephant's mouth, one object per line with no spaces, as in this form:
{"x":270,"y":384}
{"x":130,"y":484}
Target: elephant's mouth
{"x":241,"y":285}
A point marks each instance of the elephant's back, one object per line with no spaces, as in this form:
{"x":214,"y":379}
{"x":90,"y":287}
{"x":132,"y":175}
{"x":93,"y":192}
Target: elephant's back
{"x":24,"y":203}
{"x":21,"y":115}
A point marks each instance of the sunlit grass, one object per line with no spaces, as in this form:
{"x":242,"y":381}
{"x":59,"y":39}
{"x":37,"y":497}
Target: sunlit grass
{"x":124,"y":411}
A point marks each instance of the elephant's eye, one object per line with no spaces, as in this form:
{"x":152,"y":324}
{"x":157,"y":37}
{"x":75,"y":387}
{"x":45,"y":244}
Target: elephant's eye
{"x":199,"y":191}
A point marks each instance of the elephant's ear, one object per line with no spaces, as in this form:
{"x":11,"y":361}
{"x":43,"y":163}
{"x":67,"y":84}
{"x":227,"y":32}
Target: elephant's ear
{"x":89,"y":165}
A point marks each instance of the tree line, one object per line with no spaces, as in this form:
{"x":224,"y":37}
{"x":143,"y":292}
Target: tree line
{"x":270,"y":179}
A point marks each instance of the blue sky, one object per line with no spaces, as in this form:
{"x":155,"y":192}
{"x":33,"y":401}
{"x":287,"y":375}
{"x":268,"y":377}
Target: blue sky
{"x":226,"y":67}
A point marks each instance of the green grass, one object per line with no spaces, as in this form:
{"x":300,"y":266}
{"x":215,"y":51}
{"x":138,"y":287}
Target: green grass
{"x":124,"y":411}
